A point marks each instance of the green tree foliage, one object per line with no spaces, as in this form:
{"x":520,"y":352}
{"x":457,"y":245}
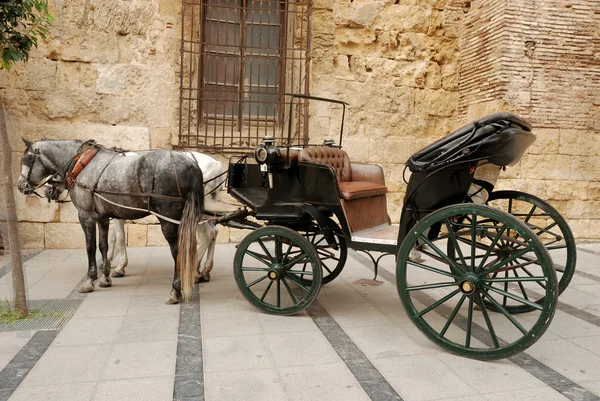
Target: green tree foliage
{"x":21,"y":23}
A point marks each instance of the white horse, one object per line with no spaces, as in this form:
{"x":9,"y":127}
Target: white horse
{"x":214,"y":179}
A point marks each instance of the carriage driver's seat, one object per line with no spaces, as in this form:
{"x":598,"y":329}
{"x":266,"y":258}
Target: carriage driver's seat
{"x":361,"y":186}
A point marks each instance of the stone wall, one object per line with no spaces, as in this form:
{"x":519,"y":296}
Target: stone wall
{"x":108,"y":71}
{"x":541,"y":59}
{"x":411,"y":70}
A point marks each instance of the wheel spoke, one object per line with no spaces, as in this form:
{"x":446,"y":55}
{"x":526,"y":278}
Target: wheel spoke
{"x":452,"y":315}
{"x":289,"y":290}
{"x":287,"y":253}
{"x":488,"y":321}
{"x":300,"y":272}
{"x":266,"y":291}
{"x":506,"y":261}
{"x":504,"y":299}
{"x":473,"y":241}
{"x":521,"y":285}
{"x":454,"y":241}
{"x":258,"y":280}
{"x":514,"y":297}
{"x":295,"y":260}
{"x":514,"y":279}
{"x":260,"y":257}
{"x":278,"y":249}
{"x":293,"y":280}
{"x":262,"y":245}
{"x":430,"y":286}
{"x":319,"y":241}
{"x":439,"y":252}
{"x":505,"y":313}
{"x":530,"y":213}
{"x":491,"y":247}
{"x":530,"y":274}
{"x":469,"y":323}
{"x":438,"y":303}
{"x":432,"y":269}
{"x":278,"y":293}
{"x":254,"y":269}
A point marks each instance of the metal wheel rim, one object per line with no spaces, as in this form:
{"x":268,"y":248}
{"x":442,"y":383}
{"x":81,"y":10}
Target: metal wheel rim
{"x":493,"y":347}
{"x":325,"y":252}
{"x":274,"y":271}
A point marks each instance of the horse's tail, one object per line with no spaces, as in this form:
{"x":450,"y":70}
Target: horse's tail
{"x":186,"y":255}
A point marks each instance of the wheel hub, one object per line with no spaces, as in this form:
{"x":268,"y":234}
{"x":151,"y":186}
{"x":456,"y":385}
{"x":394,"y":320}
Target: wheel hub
{"x":275,"y":272}
{"x":469,"y":284}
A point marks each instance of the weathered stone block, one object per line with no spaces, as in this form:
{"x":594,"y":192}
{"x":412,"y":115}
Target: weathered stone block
{"x":545,"y":167}
{"x":594,"y":231}
{"x":75,"y":76}
{"x":33,"y":209}
{"x":32,"y":235}
{"x":579,"y":143}
{"x":38,"y":76}
{"x":584,"y":168}
{"x":155,"y":236}
{"x":437,"y":102}
{"x":566,"y":190}
{"x":393,"y":150}
{"x":357,"y":149}
{"x":433,"y":79}
{"x":580,"y":228}
{"x":593,"y":190}
{"x":137,"y":234}
{"x":64,"y":236}
{"x":577,"y":209}
{"x":236,"y":235}
{"x":161,"y":138}
{"x":72,"y":44}
{"x":546,"y":142}
{"x":61,"y":105}
{"x":68,"y":213}
{"x":223,"y":235}
{"x":346,"y":36}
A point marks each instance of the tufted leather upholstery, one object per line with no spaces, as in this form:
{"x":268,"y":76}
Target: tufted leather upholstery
{"x":336,"y":158}
{"x":361,"y":189}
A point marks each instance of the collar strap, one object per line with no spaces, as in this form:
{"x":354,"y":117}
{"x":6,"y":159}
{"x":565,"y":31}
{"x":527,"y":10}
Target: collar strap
{"x":82,"y":160}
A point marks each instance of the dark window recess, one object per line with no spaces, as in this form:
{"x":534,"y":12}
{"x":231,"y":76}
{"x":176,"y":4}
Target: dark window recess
{"x":238,"y":60}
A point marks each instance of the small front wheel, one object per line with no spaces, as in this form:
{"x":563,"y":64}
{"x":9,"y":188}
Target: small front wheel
{"x":449,"y":296}
{"x":267,"y":271}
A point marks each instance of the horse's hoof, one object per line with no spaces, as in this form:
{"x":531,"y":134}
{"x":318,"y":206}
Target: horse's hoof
{"x":87,"y":287}
{"x":105,"y":282}
{"x":202,"y":279}
{"x":171,"y":300}
{"x":117,"y":274}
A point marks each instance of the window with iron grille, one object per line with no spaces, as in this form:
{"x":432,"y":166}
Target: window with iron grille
{"x":239,"y":59}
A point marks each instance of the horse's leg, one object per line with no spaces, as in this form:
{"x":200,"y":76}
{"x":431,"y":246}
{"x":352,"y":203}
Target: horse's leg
{"x":210,"y":238}
{"x":112,"y":251}
{"x":170,"y":232}
{"x":103,"y":225}
{"x":121,"y":246}
{"x":202,"y":237}
{"x":89,"y":228}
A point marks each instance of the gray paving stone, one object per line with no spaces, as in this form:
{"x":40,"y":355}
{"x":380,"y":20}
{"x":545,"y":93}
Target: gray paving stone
{"x":230,"y":323}
{"x":271,"y":324}
{"x":332,"y":382}
{"x":14,"y":339}
{"x":72,"y":364}
{"x":148,"y":328}
{"x":136,"y":360}
{"x":188,"y":386}
{"x":141,"y":389}
{"x":300,"y":349}
{"x":84,"y":331}
{"x":247,"y":385}
{"x":532,"y":394}
{"x":229,"y":354}
{"x":60,"y":392}
{"x":102,"y":307}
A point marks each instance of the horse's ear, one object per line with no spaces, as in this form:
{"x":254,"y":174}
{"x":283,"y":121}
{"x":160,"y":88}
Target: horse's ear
{"x":27,"y":143}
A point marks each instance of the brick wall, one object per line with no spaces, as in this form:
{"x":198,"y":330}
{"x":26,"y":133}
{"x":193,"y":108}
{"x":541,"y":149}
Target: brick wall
{"x":541,"y":59}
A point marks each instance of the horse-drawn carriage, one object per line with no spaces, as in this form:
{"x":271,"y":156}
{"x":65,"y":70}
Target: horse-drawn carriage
{"x":476,"y":268}
{"x":465,"y":271}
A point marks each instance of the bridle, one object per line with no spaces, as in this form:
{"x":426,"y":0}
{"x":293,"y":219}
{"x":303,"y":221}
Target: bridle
{"x":33,"y":155}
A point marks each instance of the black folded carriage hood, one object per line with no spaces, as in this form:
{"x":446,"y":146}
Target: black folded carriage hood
{"x":500,"y":138}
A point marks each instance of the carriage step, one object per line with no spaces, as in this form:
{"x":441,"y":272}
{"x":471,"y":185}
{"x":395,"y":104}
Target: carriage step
{"x":384,"y":234}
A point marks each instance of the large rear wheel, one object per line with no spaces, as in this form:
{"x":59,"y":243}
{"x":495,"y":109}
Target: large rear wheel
{"x":447,"y":294}
{"x":550,"y":227}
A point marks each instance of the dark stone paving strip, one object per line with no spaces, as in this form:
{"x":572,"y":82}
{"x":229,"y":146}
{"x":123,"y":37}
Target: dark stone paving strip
{"x":17,"y":369}
{"x":549,"y":376}
{"x":588,"y":251}
{"x":4,"y":270}
{"x":371,"y":380}
{"x":189,"y":370}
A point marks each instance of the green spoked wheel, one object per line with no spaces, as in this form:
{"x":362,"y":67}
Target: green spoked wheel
{"x":332,"y":260}
{"x":267,"y":275}
{"x":446,"y":296}
{"x":551,"y":228}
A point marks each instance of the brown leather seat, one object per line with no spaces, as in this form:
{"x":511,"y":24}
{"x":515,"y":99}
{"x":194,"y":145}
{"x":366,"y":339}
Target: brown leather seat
{"x":361,"y":189}
{"x":362,"y":186}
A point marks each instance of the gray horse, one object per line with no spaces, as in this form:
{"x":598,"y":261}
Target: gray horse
{"x":161,"y":182}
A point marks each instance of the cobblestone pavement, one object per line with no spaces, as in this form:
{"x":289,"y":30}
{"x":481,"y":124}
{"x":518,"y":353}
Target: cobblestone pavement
{"x":355,"y":343}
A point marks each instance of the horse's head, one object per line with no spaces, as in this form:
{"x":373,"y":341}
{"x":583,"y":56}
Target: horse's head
{"x":33,"y":168}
